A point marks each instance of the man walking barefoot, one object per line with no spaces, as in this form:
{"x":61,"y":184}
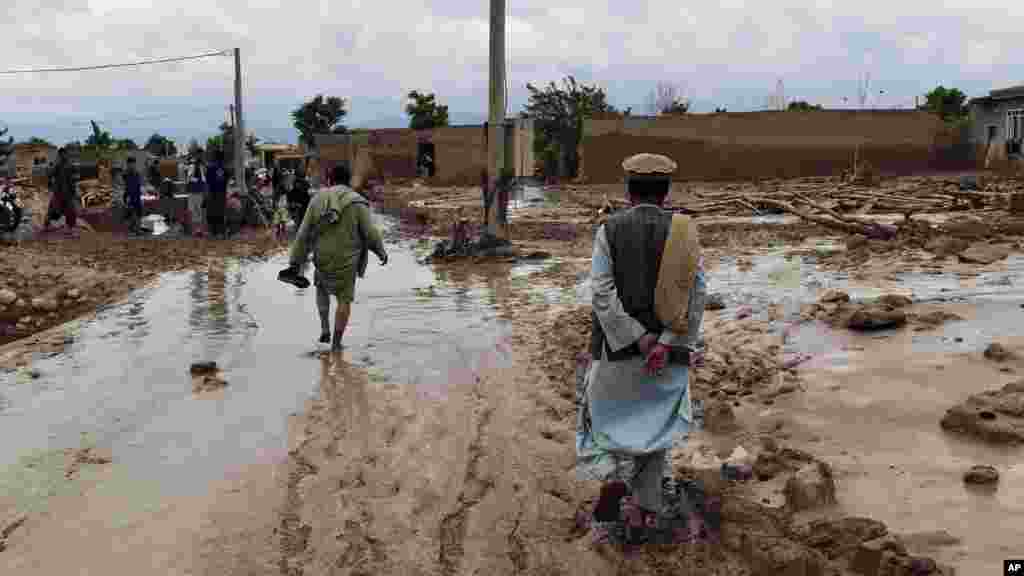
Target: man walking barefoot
{"x":338,"y":230}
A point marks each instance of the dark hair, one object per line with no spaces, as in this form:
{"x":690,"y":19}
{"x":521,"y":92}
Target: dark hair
{"x":340,"y":175}
{"x":650,"y":189}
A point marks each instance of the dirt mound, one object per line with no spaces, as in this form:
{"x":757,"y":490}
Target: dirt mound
{"x":993,"y":416}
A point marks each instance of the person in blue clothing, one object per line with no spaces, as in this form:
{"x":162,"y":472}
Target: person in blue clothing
{"x":216,"y":204}
{"x":133,"y":195}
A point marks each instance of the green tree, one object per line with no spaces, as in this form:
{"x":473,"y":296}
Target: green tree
{"x":558,"y":113}
{"x":803,"y":106}
{"x":424,"y":111}
{"x":36,"y":141}
{"x":321,"y":115}
{"x":948,"y":103}
{"x":99,"y":139}
{"x":159,"y":145}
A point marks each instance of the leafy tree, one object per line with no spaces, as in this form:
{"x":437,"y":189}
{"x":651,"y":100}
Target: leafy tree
{"x":558,"y":113}
{"x":948,"y":103}
{"x":158,"y":145}
{"x":720,"y":110}
{"x":36,"y":141}
{"x":666,"y":98}
{"x":424,"y":111}
{"x":215,"y":143}
{"x":803,"y":106}
{"x":321,"y":115}
{"x":99,"y":139}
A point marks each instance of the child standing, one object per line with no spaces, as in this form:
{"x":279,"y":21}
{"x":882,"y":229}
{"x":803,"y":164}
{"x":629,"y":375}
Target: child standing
{"x":281,"y":219}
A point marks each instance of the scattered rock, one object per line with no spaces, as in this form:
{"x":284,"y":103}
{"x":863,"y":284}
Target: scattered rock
{"x":946,"y":246}
{"x":8,"y":297}
{"x":209,"y":383}
{"x":44,"y":304}
{"x":74,"y":294}
{"x":936,"y":317}
{"x":202,"y":368}
{"x":967,"y":228}
{"x":772,"y":462}
{"x":719,"y":417}
{"x":856,"y":241}
{"x":993,"y":416}
{"x":714,"y":302}
{"x":872,"y":557}
{"x":984,"y":253}
{"x":894,"y":300}
{"x":811,"y":486}
{"x":833,"y":295}
{"x":875,"y":317}
{"x":841,"y":538}
{"x":998,"y":352}
{"x":981,"y":474}
{"x":771,"y":555}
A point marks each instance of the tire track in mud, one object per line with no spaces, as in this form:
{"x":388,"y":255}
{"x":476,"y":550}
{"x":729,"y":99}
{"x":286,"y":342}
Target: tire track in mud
{"x":474,"y":488}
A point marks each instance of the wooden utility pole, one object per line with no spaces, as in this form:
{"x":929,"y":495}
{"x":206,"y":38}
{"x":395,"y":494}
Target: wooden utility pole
{"x":239,"y":132}
{"x":496,"y":224}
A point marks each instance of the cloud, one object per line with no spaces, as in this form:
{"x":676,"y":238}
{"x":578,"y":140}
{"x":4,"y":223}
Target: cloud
{"x":729,"y":53}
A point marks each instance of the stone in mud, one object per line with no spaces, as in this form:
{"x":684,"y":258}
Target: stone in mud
{"x":771,"y":461}
{"x":981,"y":474}
{"x":880,"y":557}
{"x":946,"y":246}
{"x":856,"y":241}
{"x":936,"y":317}
{"x":719,"y":417}
{"x":202,"y":368}
{"x":998,"y":352}
{"x":773,"y":555}
{"x":841,"y":538}
{"x":984,"y":253}
{"x":209,"y":382}
{"x":967,"y":228}
{"x":812,"y":486}
{"x":19,"y":303}
{"x":8,"y":297}
{"x":894,"y":300}
{"x":74,"y":294}
{"x":44,"y":304}
{"x":993,"y":416}
{"x":714,"y":302}
{"x":833,"y":295}
{"x":875,"y":317}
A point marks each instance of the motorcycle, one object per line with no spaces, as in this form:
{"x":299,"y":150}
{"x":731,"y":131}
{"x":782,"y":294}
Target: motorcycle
{"x":10,"y":209}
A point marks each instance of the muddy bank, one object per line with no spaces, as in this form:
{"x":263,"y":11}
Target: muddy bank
{"x":49,"y":280}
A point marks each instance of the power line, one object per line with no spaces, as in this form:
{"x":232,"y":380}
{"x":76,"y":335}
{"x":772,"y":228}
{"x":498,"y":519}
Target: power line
{"x":124,"y":65}
{"x":150,"y":117}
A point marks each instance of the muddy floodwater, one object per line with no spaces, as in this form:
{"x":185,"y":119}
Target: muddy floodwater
{"x":122,"y":382}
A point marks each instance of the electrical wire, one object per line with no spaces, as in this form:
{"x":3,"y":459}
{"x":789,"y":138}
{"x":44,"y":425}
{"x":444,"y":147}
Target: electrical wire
{"x":151,"y":117}
{"x":508,"y":50}
{"x":124,"y":65}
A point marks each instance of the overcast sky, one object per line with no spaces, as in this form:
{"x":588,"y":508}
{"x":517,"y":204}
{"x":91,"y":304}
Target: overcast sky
{"x":726,"y":53}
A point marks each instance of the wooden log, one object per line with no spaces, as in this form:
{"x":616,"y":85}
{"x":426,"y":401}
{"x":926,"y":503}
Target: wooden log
{"x":869,"y":229}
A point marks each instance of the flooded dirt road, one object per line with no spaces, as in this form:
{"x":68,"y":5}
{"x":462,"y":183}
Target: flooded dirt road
{"x":122,"y":386}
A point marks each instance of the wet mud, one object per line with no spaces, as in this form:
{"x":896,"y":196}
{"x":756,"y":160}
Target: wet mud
{"x":441,"y":440}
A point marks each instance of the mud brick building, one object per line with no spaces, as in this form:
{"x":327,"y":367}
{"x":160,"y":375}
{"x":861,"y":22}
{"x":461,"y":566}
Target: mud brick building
{"x":773,"y":144}
{"x":459,"y":153}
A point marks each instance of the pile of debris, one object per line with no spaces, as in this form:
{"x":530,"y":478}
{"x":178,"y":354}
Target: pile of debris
{"x":93,"y":193}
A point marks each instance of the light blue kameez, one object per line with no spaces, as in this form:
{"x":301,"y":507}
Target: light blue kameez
{"x":625,"y":413}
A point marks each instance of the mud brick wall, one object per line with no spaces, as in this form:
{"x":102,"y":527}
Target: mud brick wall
{"x":772,"y":144}
{"x":460,"y":154}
